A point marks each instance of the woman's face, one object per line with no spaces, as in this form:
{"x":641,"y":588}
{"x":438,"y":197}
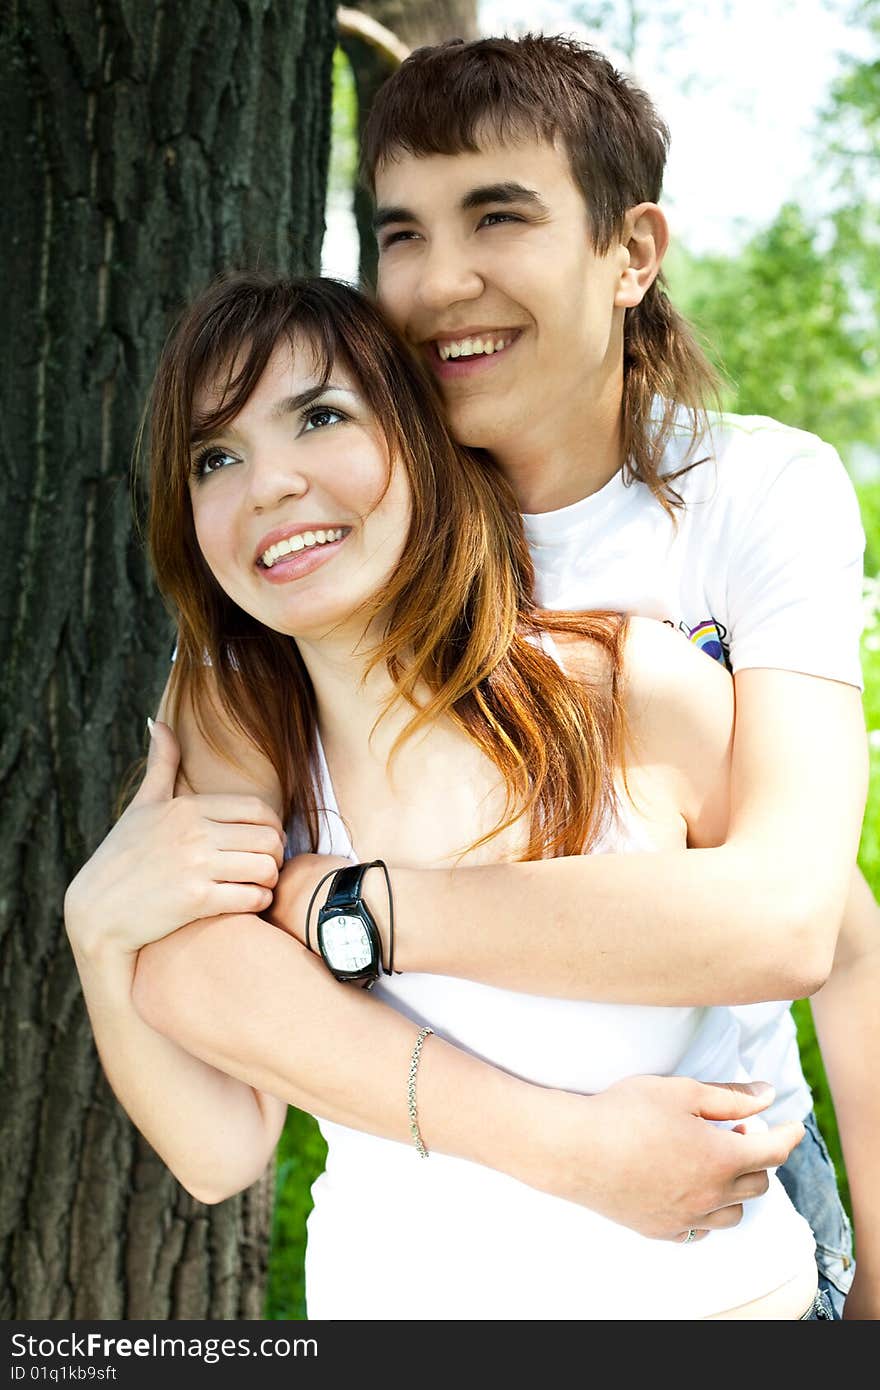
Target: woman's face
{"x":299,"y":512}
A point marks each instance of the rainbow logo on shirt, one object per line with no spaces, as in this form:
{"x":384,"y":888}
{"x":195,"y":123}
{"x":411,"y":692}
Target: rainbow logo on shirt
{"x":709,"y":637}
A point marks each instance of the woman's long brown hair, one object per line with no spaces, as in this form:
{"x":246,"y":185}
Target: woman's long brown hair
{"x":460,"y":621}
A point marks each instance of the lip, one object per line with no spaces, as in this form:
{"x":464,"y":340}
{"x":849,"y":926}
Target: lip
{"x":283,"y":533}
{"x":455,"y":367}
{"x":301,"y":562}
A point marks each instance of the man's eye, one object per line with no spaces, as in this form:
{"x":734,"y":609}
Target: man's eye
{"x":210,"y":461}
{"x":321,"y":416}
{"x":493,"y":218}
{"x":393,"y":237}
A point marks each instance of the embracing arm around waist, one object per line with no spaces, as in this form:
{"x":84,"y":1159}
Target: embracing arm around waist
{"x":245,"y":999}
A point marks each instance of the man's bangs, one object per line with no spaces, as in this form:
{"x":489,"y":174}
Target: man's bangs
{"x":452,"y":128}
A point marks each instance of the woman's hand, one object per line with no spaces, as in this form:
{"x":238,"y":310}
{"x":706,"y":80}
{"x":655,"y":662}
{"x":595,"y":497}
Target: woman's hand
{"x":172,"y":859}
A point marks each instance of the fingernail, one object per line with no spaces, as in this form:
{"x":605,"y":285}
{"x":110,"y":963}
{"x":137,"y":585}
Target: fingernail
{"x":150,"y":725}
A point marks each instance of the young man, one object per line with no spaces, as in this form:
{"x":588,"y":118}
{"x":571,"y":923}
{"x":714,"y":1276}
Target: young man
{"x":520,"y":244}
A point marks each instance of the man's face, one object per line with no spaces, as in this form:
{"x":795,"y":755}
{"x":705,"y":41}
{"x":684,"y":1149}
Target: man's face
{"x":487,"y":266}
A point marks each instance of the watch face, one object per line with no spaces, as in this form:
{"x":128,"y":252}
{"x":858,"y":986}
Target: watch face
{"x":345,"y":943}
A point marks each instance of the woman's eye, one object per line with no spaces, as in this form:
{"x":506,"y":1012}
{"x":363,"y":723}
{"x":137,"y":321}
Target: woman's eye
{"x":321,"y":417}
{"x":210,"y":461}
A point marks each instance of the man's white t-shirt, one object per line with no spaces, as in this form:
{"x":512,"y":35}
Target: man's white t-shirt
{"x":761,"y":567}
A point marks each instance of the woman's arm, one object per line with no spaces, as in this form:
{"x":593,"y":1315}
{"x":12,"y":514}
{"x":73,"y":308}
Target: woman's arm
{"x":249,"y":999}
{"x":167,"y":861}
{"x":754,"y":918}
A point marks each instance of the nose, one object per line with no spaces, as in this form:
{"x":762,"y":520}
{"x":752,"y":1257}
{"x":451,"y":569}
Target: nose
{"x":447,"y":276}
{"x":274,"y":476}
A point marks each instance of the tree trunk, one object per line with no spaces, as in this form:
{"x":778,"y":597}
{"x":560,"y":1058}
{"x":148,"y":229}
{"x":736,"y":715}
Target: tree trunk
{"x":145,"y":148}
{"x":415,"y":22}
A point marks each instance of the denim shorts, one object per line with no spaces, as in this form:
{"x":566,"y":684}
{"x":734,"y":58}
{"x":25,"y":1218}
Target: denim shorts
{"x":820,"y":1310}
{"x":810,"y":1181}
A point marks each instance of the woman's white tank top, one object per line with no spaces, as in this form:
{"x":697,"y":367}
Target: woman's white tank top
{"x":393,"y":1235}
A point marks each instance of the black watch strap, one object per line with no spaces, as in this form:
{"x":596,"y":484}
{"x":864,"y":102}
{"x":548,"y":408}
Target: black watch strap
{"x":345,"y":893}
{"x":345,"y":890}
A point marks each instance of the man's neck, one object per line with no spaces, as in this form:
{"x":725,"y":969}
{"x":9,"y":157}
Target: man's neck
{"x":560,"y":461}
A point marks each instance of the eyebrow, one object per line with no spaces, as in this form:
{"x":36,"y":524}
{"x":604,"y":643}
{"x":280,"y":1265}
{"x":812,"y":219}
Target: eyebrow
{"x":288,"y":405}
{"x":508,"y":192}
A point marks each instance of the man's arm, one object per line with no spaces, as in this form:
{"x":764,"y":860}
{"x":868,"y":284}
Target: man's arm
{"x":755,"y":918}
{"x":847,"y":1021}
{"x":250,"y":1001}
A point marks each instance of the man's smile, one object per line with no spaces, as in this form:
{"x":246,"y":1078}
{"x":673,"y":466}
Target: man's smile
{"x":460,"y":355}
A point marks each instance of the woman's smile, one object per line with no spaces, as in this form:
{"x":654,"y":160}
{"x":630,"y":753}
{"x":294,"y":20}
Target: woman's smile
{"x":300,"y":552}
{"x":300,"y":476}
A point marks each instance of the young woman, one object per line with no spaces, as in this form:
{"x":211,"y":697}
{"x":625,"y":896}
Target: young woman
{"x":359,"y":661}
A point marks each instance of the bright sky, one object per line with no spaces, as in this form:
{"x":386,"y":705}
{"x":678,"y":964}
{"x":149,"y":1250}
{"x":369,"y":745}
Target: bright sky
{"x":740,"y":84}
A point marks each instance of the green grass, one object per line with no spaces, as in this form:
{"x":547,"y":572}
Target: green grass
{"x":299,"y":1160}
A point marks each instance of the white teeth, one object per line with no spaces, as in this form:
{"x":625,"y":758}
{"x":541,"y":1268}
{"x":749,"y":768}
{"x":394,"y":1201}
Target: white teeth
{"x":472,"y":347}
{"x":305,"y":540}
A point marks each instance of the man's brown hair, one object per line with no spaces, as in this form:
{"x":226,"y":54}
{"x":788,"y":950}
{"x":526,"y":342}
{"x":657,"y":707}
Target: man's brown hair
{"x":446,"y":99}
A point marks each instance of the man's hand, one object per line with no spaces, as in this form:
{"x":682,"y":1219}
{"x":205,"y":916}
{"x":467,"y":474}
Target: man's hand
{"x":652,"y":1161}
{"x":297,"y":882}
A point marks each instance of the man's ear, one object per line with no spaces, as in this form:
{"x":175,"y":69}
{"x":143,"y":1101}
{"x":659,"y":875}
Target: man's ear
{"x":645,"y":237}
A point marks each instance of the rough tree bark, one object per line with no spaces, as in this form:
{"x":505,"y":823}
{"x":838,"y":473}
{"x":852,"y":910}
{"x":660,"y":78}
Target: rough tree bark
{"x":415,"y":22}
{"x":146,"y":146}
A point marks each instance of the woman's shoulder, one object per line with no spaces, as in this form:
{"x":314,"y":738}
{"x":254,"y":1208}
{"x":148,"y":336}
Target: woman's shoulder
{"x":659,"y":665}
{"x":679,"y":710}
{"x":667,"y":676}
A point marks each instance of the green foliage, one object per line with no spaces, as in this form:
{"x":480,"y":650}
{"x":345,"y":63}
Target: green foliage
{"x":784,"y":324}
{"x":869,"y":503}
{"x":344,"y":144}
{"x":792,"y":319}
{"x":299,"y":1160}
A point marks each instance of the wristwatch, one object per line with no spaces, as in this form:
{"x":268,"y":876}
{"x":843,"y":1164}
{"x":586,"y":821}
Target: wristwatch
{"x":348,"y":938}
